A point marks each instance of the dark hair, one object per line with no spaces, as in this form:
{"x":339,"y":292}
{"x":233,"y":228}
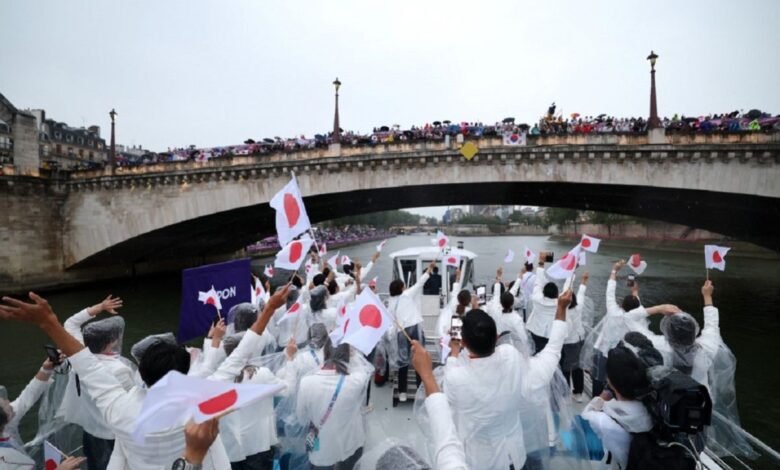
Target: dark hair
{"x":573,"y":303}
{"x":100,"y":334}
{"x":550,"y":290}
{"x":507,"y":301}
{"x":646,"y":351}
{"x":464,"y":297}
{"x":318,"y":279}
{"x":627,"y":373}
{"x":296,"y":281}
{"x":479,"y":333}
{"x":161,"y":358}
{"x":326,"y":271}
{"x":333,"y":287}
{"x":630,"y":302}
{"x":347,"y":268}
{"x":338,"y":357}
{"x":396,"y":287}
{"x":529,"y":267}
{"x":435,"y":270}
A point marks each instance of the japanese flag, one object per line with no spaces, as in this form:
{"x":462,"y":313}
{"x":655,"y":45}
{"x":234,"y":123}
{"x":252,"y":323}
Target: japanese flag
{"x":510,"y":255}
{"x":451,"y":260}
{"x":564,"y":267}
{"x":345,"y":260}
{"x":291,"y":218}
{"x":333,"y":261}
{"x":269,"y":271}
{"x":637,"y":264}
{"x":258,"y":291}
{"x":342,"y":324}
{"x":530,"y":256}
{"x":293,"y":254}
{"x":292,"y":312}
{"x":366,"y":322}
{"x":380,"y":246}
{"x":583,"y":260}
{"x":372,"y":282}
{"x":308,"y":266}
{"x":177,"y":398}
{"x":715,"y":257}
{"x":210,"y":297}
{"x":323,"y":250}
{"x":51,"y":456}
{"x":441,"y":240}
{"x":589,"y":243}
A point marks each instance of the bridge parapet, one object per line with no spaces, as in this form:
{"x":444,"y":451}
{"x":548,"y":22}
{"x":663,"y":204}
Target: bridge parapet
{"x":745,"y":145}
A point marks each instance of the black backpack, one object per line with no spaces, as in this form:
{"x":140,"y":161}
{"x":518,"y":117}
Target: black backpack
{"x":649,"y":452}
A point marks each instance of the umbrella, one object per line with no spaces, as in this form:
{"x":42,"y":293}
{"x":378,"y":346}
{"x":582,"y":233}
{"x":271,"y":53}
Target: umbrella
{"x":508,"y":120}
{"x":575,"y":115}
{"x":448,"y":122}
{"x":249,"y":141}
{"x":753,"y":114}
{"x":524,"y":126}
{"x":384,"y":129}
{"x":269,"y":141}
{"x":437,"y":123}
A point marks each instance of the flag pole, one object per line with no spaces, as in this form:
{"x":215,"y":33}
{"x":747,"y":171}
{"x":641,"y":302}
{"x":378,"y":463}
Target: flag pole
{"x":708,"y":273}
{"x":76,"y":450}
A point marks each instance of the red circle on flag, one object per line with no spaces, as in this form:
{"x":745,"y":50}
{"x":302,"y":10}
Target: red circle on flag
{"x":219,"y":403}
{"x":291,"y":210}
{"x":569,"y":262}
{"x":211,"y":301}
{"x":296,"y":250}
{"x":636,"y":260}
{"x":346,"y":325}
{"x":370,"y":316}
{"x":451,"y":260}
{"x":295,"y":307}
{"x":586,"y":242}
{"x":442,"y":242}
{"x":716,"y":257}
{"x":51,"y":464}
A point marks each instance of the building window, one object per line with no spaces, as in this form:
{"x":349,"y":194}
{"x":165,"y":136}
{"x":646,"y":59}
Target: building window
{"x":69,"y":138}
{"x":45,"y":150}
{"x":58,"y":135}
{"x":59,"y":149}
{"x":91,"y":157}
{"x":81,"y":153}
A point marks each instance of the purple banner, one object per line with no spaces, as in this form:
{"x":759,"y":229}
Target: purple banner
{"x":232,"y":281}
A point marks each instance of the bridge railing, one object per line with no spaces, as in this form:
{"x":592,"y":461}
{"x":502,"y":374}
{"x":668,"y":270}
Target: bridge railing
{"x":401,"y":147}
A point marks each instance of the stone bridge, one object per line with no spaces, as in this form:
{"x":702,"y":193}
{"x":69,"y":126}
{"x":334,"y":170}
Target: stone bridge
{"x":57,"y":230}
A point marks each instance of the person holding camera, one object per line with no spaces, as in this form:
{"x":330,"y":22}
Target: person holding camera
{"x":618,"y":411}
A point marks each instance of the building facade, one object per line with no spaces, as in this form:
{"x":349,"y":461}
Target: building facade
{"x":29,"y":141}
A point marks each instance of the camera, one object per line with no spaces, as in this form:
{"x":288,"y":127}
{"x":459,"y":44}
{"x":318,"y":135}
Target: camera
{"x":677,"y":402}
{"x":456,"y":327}
{"x":631,"y":280}
{"x":548,"y":257}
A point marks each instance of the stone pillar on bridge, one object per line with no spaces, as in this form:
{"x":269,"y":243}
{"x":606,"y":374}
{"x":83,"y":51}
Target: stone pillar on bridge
{"x":655,"y":132}
{"x":334,"y":149}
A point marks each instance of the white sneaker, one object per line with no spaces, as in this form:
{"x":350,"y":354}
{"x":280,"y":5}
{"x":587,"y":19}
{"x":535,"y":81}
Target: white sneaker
{"x":577,"y":397}
{"x":401,"y":397}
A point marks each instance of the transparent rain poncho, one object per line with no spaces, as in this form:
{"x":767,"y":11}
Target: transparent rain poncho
{"x":545,"y":414}
{"x":138,"y":349}
{"x":392,"y":454}
{"x":607,"y":333}
{"x":240,"y":317}
{"x":104,"y":336}
{"x":314,"y":391}
{"x":680,"y":331}
{"x":318,"y":298}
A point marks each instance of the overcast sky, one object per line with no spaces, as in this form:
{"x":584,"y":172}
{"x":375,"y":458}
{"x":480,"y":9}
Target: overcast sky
{"x":218,"y":72}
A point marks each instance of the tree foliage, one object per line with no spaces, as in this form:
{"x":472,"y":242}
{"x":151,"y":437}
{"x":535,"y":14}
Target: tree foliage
{"x":381,"y":220}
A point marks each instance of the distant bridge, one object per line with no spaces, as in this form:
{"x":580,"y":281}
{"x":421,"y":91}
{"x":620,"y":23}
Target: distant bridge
{"x":143,"y":216}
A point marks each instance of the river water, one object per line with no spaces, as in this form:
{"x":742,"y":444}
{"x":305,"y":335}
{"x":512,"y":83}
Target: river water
{"x":747,"y":294}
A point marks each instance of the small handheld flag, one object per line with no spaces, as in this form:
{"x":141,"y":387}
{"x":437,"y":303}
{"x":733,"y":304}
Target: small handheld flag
{"x":530,"y":256}
{"x":510,"y":255}
{"x":293,"y":254}
{"x":637,"y":264}
{"x":589,"y":243}
{"x":210,"y":297}
{"x":564,"y":267}
{"x":715,"y":257}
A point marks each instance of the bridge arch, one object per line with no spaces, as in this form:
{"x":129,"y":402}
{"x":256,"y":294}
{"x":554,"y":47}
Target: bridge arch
{"x":204,"y":210}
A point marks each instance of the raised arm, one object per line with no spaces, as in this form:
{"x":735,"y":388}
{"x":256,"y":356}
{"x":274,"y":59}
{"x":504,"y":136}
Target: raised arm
{"x":252,"y":340}
{"x":32,"y":392}
{"x":75,"y":322}
{"x":417,"y":287}
{"x":710,"y":339}
{"x":612,"y":306}
{"x":542,"y":366}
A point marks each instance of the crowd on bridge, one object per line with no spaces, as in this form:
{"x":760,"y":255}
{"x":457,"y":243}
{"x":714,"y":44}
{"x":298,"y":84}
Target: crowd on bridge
{"x":733,"y":122}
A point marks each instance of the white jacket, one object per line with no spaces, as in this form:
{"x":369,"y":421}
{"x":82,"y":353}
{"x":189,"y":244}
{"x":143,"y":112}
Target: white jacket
{"x":448,"y":453}
{"x":405,"y":308}
{"x":77,"y":406}
{"x":574,"y":318}
{"x":343,"y":432}
{"x":120,"y":409}
{"x":257,"y":419}
{"x":614,"y":421}
{"x":543,"y":313}
{"x":614,"y":326}
{"x":23,"y":403}
{"x":445,"y":315}
{"x":485,"y":395}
